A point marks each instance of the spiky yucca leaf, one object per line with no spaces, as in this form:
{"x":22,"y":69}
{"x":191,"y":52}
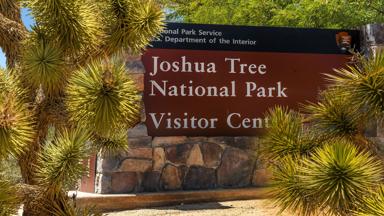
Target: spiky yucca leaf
{"x":372,"y":205}
{"x":60,"y":164}
{"x":72,"y":24}
{"x":103,"y":97}
{"x":70,"y":210}
{"x":338,"y":175}
{"x":16,"y":122}
{"x":289,"y":192}
{"x":10,"y":84}
{"x":286,"y":135}
{"x":44,"y":66}
{"x":363,"y":85}
{"x":334,"y":116}
{"x":372,"y":64}
{"x":116,"y":143}
{"x":135,"y":24}
{"x":57,"y":203}
{"x":9,"y":201}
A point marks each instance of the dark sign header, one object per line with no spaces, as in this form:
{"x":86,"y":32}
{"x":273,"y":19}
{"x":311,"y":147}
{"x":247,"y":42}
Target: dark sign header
{"x":261,"y":39}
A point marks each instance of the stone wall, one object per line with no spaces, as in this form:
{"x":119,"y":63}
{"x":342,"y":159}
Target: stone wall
{"x":178,"y":163}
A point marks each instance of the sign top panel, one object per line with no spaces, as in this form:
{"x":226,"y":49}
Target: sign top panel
{"x":259,"y":39}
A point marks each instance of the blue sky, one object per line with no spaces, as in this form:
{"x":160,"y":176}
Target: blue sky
{"x":28,"y":22}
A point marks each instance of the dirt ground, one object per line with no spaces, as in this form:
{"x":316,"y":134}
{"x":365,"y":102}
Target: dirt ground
{"x":262,"y":207}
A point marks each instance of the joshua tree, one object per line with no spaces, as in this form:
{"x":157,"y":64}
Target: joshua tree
{"x":65,"y":92}
{"x":324,"y":163}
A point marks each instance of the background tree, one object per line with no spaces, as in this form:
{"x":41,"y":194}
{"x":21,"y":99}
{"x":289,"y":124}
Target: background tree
{"x":66,"y":92}
{"x":298,"y":13}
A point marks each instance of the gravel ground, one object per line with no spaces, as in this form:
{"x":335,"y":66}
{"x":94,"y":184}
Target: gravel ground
{"x":262,"y":207}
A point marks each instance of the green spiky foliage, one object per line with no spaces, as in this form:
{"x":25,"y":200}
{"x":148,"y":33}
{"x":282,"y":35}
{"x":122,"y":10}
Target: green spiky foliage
{"x":135,"y":24}
{"x":57,"y":203}
{"x":16,"y":122}
{"x":9,"y":201}
{"x":286,"y":135}
{"x":44,"y":66}
{"x":60,"y":163}
{"x":16,"y":132}
{"x":72,"y":24}
{"x":114,"y":144}
{"x":373,"y":204}
{"x":103,"y":97}
{"x":289,"y":192}
{"x":331,"y":181}
{"x":63,"y":206}
{"x":363,"y":84}
{"x":67,"y":52}
{"x":339,"y":176}
{"x":334,"y":116}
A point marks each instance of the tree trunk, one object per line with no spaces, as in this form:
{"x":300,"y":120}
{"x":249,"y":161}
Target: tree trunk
{"x":12,"y":30}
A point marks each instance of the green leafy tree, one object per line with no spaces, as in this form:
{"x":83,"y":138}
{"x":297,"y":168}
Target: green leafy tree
{"x":299,"y":13}
{"x":66,"y":92}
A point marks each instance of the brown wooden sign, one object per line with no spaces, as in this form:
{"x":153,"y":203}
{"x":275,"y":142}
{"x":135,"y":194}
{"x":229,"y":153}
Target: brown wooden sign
{"x":223,"y":85}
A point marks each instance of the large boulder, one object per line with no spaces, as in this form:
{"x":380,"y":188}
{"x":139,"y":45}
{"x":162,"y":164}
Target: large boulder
{"x":158,"y":158}
{"x":199,"y":177}
{"x":195,"y":156}
{"x":178,"y":154}
{"x":124,"y":182}
{"x":138,"y":153}
{"x":235,"y":169}
{"x":150,"y":181}
{"x":172,"y":177}
{"x":261,"y":177}
{"x":168,"y":141}
{"x":135,"y":165}
{"x":140,"y":142}
{"x":211,"y":154}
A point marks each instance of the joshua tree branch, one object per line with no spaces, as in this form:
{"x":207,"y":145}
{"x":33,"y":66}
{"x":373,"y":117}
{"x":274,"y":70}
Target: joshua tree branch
{"x":11,"y":31}
{"x":11,"y":34}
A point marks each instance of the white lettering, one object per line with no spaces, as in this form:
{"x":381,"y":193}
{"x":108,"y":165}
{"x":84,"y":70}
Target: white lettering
{"x":154,"y":119}
{"x":185,"y":122}
{"x":229,"y":120}
{"x":191,"y":90}
{"x":245,"y":122}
